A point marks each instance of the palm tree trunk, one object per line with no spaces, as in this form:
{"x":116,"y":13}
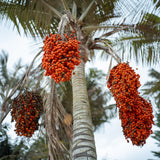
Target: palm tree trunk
{"x":83,"y":147}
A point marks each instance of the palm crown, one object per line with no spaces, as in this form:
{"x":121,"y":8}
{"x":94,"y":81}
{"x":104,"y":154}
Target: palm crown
{"x":121,"y":23}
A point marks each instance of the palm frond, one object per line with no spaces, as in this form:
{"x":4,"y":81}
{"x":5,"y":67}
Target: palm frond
{"x":92,"y":28}
{"x":55,"y":127}
{"x":132,"y":12}
{"x":84,"y":14}
{"x":141,"y":49}
{"x":3,"y":67}
{"x":65,"y":5}
{"x":74,"y":10}
{"x":113,"y":32}
{"x":141,"y":37}
{"x":100,"y":12}
{"x":39,"y":18}
{"x":157,"y":3}
{"x":152,"y":88}
{"x":55,"y":11}
{"x":154,"y":85}
{"x":154,"y":74}
{"x":33,"y":16}
{"x":65,"y":93}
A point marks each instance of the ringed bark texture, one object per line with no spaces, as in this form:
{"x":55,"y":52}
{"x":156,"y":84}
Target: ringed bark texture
{"x":83,"y":147}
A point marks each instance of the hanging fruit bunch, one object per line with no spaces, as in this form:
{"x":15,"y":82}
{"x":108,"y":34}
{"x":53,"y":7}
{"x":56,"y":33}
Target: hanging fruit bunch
{"x":60,"y":56}
{"x":134,"y":111}
{"x":26,"y":109}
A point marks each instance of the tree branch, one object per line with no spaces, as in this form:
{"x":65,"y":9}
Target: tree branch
{"x":62,"y":24}
{"x":29,"y":68}
{"x":106,"y":49}
{"x":112,"y":51}
{"x":108,"y":73}
{"x":112,"y":32}
{"x":21,"y":82}
{"x":65,"y":5}
{"x":52,"y":9}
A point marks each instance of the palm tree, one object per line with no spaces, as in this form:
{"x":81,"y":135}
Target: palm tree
{"x":19,"y":148}
{"x":8,"y":150}
{"x":131,"y":22}
{"x":37,"y":150}
{"x":8,"y":78}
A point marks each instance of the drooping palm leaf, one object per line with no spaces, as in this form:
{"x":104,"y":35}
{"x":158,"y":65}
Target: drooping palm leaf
{"x":137,"y":48}
{"x":141,"y":40}
{"x":33,"y":16}
{"x":154,"y":74}
{"x":41,"y":17}
{"x":140,"y":37}
{"x":55,"y":127}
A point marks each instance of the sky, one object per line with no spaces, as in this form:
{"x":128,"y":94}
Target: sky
{"x":110,"y":142}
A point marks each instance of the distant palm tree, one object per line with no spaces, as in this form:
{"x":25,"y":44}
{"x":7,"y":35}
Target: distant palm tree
{"x":19,"y":149}
{"x":37,"y":150}
{"x":135,"y":29}
{"x":8,"y":79}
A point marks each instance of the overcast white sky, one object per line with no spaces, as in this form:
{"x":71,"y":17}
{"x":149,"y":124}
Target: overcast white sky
{"x":110,"y":142}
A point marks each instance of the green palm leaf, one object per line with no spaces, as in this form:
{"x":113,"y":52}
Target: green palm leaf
{"x":33,"y":16}
{"x":152,"y":88}
{"x":39,"y":18}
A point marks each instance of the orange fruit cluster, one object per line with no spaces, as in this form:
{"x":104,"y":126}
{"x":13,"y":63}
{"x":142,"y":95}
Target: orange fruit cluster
{"x":60,"y":56}
{"x":26,"y":109}
{"x":134,"y":111}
